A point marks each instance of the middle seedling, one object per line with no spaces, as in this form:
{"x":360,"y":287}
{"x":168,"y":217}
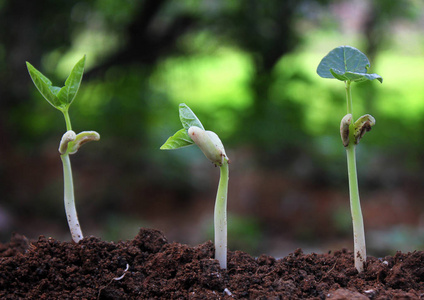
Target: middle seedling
{"x":210,"y":144}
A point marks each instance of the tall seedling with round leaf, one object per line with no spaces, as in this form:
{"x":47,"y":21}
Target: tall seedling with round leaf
{"x":210,"y":144}
{"x":61,"y":99}
{"x":350,"y":65}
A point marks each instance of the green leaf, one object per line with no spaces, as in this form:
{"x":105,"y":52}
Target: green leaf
{"x":44,"y":86}
{"x":346,"y":63}
{"x":188,"y":118}
{"x":67,"y":93}
{"x":354,"y":77}
{"x":178,"y":140}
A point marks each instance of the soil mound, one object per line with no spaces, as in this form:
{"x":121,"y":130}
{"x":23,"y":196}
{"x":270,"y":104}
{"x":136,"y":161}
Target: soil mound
{"x":150,"y":267}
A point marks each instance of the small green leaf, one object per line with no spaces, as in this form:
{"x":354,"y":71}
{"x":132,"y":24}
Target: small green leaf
{"x":44,"y":86}
{"x":346,"y":63}
{"x":188,"y":118}
{"x":68,"y":92}
{"x":178,"y":140}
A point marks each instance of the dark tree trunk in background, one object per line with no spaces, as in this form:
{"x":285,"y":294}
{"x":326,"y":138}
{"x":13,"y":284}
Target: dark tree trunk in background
{"x":146,"y":44}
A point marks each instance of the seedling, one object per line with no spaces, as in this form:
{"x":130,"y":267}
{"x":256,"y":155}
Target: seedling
{"x":210,"y":144}
{"x":61,"y":99}
{"x":350,"y":65}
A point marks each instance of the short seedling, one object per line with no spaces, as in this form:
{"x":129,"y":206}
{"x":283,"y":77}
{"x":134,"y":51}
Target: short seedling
{"x":210,"y":144}
{"x":61,"y":98}
{"x":350,"y":65}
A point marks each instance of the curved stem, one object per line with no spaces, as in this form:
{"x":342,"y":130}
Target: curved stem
{"x":220,"y":217}
{"x":71,"y":212}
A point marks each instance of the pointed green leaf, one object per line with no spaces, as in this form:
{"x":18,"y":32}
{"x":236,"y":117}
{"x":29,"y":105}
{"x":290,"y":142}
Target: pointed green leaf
{"x":188,"y":118}
{"x":178,"y":140}
{"x":67,"y":93}
{"x":55,"y":90}
{"x":346,"y":63}
{"x":44,"y":86}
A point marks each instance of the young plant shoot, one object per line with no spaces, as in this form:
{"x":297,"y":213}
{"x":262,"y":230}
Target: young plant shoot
{"x":350,"y":65}
{"x":210,"y":144}
{"x":61,"y":99}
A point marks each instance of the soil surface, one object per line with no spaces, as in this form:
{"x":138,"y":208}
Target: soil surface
{"x":149,"y":267}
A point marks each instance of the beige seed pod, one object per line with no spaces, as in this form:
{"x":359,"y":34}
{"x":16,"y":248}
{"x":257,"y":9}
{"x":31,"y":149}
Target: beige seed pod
{"x":82,"y":138}
{"x":363,"y":125}
{"x":67,"y":137}
{"x":209,"y":143}
{"x":344,"y":129}
{"x":75,"y":141}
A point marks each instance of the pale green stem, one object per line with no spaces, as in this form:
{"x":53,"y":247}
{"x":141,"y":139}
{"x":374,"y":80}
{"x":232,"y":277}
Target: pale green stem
{"x":355,"y":207}
{"x":69,"y":198}
{"x":220,"y":217}
{"x":71,"y":212}
{"x":349,"y":98}
{"x":360,"y":255}
{"x":67,"y":120}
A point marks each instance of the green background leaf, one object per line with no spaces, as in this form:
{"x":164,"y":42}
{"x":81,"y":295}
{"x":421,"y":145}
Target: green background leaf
{"x":178,"y":140}
{"x":68,"y":92}
{"x":346,"y":63}
{"x":188,"y":118}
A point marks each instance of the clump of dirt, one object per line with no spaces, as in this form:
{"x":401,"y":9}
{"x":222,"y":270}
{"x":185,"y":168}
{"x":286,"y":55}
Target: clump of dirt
{"x":149,"y":267}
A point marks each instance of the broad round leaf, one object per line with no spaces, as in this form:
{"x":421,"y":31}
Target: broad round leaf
{"x":346,"y":63}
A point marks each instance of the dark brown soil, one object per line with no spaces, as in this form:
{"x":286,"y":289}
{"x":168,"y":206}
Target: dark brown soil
{"x":149,"y":267}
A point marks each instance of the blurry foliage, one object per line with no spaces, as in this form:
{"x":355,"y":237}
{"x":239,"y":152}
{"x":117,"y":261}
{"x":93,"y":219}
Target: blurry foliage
{"x":397,"y":237}
{"x":246,"y":67}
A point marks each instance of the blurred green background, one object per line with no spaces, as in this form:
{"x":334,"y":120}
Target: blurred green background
{"x":247,"y":69}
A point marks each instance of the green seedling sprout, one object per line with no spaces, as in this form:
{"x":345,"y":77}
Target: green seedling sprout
{"x":61,"y":99}
{"x":350,"y":65}
{"x":210,"y":144}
